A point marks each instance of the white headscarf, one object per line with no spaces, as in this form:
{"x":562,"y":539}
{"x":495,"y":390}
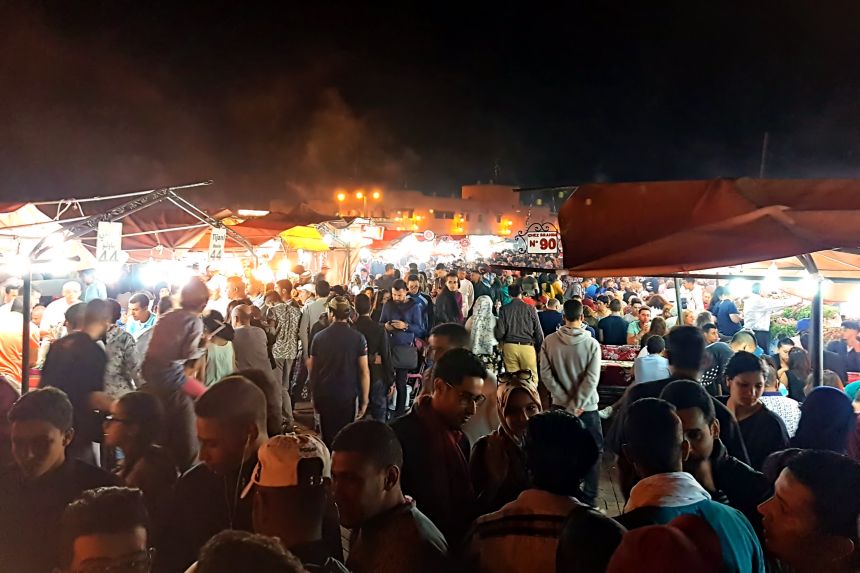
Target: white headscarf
{"x":483,"y":326}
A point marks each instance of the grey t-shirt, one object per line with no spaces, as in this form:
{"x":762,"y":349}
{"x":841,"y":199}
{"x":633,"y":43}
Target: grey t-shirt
{"x":249,"y":346}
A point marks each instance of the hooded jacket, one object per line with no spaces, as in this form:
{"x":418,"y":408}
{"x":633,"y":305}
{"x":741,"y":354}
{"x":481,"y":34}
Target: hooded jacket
{"x":570,"y":368}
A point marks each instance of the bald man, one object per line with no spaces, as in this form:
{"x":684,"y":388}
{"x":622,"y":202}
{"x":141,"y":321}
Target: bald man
{"x":55,"y":313}
{"x":249,"y":342}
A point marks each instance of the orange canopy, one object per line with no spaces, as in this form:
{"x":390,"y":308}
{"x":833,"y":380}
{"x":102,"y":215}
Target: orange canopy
{"x":671,"y":227}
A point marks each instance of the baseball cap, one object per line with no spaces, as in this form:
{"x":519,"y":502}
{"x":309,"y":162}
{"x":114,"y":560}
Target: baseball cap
{"x":307,"y":288}
{"x":283,"y":461}
{"x":803,"y":324}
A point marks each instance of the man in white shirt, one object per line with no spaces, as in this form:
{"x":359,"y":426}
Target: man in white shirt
{"x":757,"y":313}
{"x":55,"y":313}
{"x":692,"y":293}
{"x":467,"y":289}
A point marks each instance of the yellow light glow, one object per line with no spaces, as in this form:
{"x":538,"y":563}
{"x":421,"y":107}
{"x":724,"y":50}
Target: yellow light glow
{"x":376,"y":194}
{"x":359,"y":194}
{"x":417,"y":217}
{"x":341,"y":196}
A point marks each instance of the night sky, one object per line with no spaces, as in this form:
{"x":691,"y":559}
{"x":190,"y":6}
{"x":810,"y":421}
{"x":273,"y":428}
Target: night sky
{"x":301,"y":97}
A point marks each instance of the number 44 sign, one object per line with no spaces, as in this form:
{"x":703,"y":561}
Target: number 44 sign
{"x":542,"y":242}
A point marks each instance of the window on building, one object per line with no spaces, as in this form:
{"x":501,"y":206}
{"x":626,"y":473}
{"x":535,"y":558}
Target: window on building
{"x":444,"y":214}
{"x":498,"y":218}
{"x":468,"y":216}
{"x":538,"y":202}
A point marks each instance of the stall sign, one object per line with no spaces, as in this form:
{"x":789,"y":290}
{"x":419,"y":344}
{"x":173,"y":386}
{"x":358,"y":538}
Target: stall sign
{"x":216,"y":243}
{"x":108,"y":242}
{"x":542,"y":242}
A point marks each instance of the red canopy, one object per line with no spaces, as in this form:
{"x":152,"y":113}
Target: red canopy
{"x":669,"y":227}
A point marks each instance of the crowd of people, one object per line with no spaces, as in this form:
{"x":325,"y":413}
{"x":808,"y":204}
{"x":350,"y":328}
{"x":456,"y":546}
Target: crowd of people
{"x":456,"y":425}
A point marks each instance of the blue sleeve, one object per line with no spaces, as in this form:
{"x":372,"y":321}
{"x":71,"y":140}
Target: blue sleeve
{"x":732,"y":309}
{"x":415,"y":322}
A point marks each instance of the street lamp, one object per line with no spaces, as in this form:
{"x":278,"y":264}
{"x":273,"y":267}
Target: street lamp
{"x":341,"y":196}
{"x":377,"y":194}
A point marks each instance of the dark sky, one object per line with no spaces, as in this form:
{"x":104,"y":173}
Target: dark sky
{"x":300,"y":97}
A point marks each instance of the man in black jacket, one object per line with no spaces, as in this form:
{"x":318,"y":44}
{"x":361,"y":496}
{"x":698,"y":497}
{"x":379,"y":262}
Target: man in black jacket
{"x":435,"y":450}
{"x":35,"y":491}
{"x":378,"y":357}
{"x":685,"y":350}
{"x":231,"y":426}
{"x":726,"y":478}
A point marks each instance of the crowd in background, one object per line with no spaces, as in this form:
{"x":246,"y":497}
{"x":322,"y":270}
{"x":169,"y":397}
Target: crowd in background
{"x":448,"y":415}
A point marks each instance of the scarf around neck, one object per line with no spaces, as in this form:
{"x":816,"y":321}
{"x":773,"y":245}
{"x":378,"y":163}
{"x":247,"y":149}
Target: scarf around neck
{"x":673,"y":489}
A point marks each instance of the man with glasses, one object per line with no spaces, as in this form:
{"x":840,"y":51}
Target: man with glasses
{"x":106,"y":530}
{"x":435,"y":450}
{"x":35,"y":491}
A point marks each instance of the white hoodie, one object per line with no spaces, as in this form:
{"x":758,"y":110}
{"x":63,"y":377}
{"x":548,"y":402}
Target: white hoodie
{"x":570,"y":368}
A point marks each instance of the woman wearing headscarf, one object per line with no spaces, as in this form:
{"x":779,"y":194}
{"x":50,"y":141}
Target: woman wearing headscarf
{"x":826,"y":420}
{"x":497,"y":464}
{"x":481,"y":326}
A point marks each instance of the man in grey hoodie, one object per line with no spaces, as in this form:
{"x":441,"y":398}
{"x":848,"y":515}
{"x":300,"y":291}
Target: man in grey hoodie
{"x":570,"y":370}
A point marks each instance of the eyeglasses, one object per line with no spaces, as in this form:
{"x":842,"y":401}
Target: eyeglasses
{"x":109,"y":419}
{"x":521,"y":375}
{"x":466,"y":398}
{"x":140,"y":562}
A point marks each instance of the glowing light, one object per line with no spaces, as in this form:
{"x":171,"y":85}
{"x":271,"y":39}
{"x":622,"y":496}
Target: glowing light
{"x":359,"y":194}
{"x":109,"y":273}
{"x":252,"y":213}
{"x":740,"y":287}
{"x":341,"y":196}
{"x":376,"y":194}
{"x":264,"y":274}
{"x":771,"y":278}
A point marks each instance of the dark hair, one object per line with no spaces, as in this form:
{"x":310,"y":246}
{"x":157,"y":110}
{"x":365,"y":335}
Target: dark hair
{"x":455,"y":333}
{"x":285,"y":284}
{"x":572,"y":310}
{"x":146,"y":411}
{"x":652,"y":436}
{"x":457,"y":364}
{"x":233,"y":550}
{"x":399,"y":284}
{"x":708,"y":327}
{"x":851,"y":324}
{"x":615,"y":305}
{"x":743,"y":362}
{"x":338,"y":290}
{"x":140,"y":299}
{"x":165,"y":305}
{"x":233,"y":399}
{"x":744,"y":337}
{"x":362,"y":304}
{"x":587,"y":541}
{"x":453,"y":274}
{"x":322,"y":288}
{"x":784,"y":341}
{"x":602,"y":298}
{"x":17,"y":305}
{"x":389,"y":266}
{"x":97,"y":310}
{"x":75,"y":315}
{"x":685,"y":394}
{"x":266,"y":383}
{"x":559,"y":452}
{"x":685,"y":347}
{"x":655,"y":344}
{"x":514,"y":290}
{"x":411,"y":278}
{"x":272,"y":295}
{"x":776,"y":462}
{"x":45,"y":404}
{"x":798,"y":362}
{"x":834,"y":481}
{"x":440,"y":266}
{"x":373,"y":440}
{"x":105,"y":510}
{"x":115,"y":310}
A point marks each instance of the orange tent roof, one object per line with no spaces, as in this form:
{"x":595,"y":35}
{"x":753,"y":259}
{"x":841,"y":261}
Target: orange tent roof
{"x":680,"y":226}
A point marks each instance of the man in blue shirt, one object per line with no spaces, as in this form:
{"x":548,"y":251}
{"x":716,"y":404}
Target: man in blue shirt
{"x":141,"y":317}
{"x":652,"y":366}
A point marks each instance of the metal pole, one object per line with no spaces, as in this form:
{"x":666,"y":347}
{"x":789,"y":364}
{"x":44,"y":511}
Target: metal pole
{"x":678,"y":302}
{"x":763,"y":164}
{"x":25,"y":333}
{"x":816,"y":336}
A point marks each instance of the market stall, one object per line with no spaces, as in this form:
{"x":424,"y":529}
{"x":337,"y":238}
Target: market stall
{"x":708,"y":225}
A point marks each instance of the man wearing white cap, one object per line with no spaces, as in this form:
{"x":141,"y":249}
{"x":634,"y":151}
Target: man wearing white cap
{"x":290,"y":489}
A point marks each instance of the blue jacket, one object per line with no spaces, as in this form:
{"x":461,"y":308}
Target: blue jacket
{"x":409,"y":312}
